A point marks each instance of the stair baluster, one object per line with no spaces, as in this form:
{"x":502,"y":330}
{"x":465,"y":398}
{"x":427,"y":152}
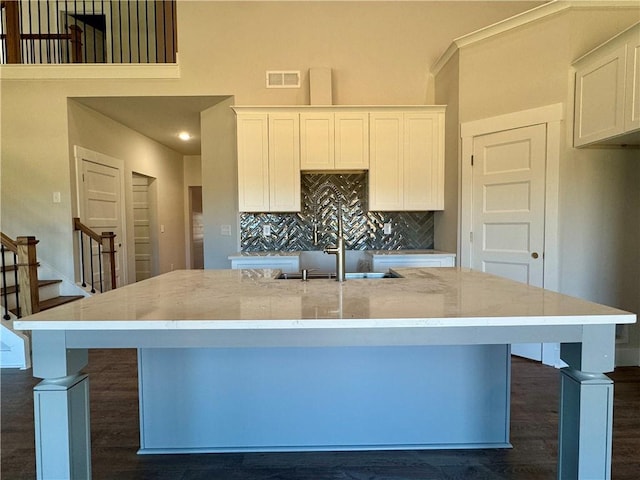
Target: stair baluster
{"x":84,"y":279}
{"x":93,"y":288}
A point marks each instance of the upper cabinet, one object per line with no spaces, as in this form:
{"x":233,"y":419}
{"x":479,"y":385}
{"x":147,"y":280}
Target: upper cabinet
{"x":334,"y":140}
{"x":406,"y":166}
{"x":607,"y":95}
{"x":268,"y":161}
{"x":401,"y":147}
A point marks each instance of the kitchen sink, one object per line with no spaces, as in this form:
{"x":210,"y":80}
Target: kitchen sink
{"x":331,"y":275}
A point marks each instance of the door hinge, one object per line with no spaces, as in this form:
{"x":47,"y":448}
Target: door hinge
{"x":471,"y":237}
{"x":83,"y":177}
{"x":472,"y":160}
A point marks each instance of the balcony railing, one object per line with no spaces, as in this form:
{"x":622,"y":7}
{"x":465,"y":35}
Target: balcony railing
{"x":87,"y":31}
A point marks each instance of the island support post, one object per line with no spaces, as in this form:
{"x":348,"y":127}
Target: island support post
{"x":61,"y":409}
{"x":586,"y":405}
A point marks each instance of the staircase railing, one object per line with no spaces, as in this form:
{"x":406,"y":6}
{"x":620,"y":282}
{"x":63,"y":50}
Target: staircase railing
{"x":87,"y":31}
{"x":25,"y":273}
{"x":101,"y":251}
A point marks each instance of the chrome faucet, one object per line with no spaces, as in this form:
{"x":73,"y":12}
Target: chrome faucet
{"x":338,"y":249}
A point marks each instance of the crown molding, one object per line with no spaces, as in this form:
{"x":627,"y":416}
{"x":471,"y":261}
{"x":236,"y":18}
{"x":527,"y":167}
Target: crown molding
{"x":543,"y":11}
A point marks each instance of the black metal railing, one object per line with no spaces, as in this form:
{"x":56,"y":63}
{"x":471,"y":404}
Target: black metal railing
{"x":87,"y":31}
{"x":96,"y":259}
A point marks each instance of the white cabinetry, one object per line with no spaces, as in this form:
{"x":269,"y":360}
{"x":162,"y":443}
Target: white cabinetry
{"x":383,"y":261}
{"x":274,"y":261}
{"x":402,"y":147}
{"x":268,"y":161}
{"x":253,"y":162}
{"x":406,"y":166}
{"x":331,"y":140}
{"x":607,"y":95}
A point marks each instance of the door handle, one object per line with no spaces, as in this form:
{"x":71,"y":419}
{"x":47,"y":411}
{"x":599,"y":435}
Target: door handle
{"x":534,"y":255}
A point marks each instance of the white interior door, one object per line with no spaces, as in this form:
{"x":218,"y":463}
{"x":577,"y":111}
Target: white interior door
{"x":101,"y":206}
{"x":508,"y":198}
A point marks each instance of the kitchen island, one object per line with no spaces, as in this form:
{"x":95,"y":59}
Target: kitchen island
{"x":220,"y":312}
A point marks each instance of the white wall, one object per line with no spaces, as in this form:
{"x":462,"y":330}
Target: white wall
{"x":447,"y":92}
{"x":379,"y":52}
{"x":219,"y":171}
{"x":599,"y":229}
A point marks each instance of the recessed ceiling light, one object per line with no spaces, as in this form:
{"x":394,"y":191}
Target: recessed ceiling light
{"x":184,"y":136}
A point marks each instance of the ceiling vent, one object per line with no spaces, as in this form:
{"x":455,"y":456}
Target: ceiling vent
{"x":283,"y":79}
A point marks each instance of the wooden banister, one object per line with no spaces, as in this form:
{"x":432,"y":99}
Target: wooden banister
{"x":8,"y":243}
{"x":79,"y":226}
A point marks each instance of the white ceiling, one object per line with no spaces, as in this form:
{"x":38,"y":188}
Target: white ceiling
{"x":159,"y":118}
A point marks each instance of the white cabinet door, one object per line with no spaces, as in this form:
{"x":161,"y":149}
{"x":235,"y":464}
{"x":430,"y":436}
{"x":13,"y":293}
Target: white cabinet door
{"x":253,"y":162}
{"x":632,"y":95}
{"x":607,"y":96}
{"x":407,"y":161}
{"x":351,"y":141}
{"x":317,"y":141}
{"x":334,"y":141}
{"x":386,"y":162}
{"x":423,"y":161}
{"x":268,"y":162}
{"x":284,"y":162}
{"x":599,"y":100}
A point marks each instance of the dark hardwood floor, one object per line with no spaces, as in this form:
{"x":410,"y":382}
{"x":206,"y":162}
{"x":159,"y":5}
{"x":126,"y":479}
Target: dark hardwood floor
{"x":114,"y":418}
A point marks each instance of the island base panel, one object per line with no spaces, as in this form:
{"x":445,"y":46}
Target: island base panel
{"x":271,"y":399}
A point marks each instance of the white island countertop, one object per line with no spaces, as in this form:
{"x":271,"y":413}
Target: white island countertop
{"x":255,"y":299}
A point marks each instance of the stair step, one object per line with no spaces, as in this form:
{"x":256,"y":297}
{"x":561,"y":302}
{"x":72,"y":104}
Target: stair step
{"x":61,"y":300}
{"x":8,"y":290}
{"x":41,"y":283}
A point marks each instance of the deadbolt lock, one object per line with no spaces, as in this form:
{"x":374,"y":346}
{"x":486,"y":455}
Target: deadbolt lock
{"x":534,"y":255}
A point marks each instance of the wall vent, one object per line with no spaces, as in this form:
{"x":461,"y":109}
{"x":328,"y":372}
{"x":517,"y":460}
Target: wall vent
{"x":283,"y":79}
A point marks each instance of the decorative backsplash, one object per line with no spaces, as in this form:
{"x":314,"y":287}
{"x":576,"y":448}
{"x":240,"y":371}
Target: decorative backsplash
{"x":363,"y":230}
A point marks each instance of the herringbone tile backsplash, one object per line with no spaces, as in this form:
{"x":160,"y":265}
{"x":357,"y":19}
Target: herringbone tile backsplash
{"x":363,"y":230}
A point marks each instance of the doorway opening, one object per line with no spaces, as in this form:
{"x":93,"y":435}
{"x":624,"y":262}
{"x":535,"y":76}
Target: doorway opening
{"x":144,"y":220}
{"x":196,"y":227}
